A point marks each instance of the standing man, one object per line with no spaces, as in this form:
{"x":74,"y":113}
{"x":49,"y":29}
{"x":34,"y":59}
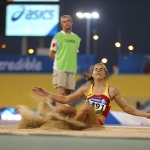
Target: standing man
{"x":63,"y":51}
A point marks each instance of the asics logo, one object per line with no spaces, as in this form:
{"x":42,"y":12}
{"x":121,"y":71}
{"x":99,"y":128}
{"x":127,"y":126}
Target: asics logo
{"x":18,"y":14}
{"x":33,"y":14}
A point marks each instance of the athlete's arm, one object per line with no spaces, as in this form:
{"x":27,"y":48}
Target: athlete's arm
{"x":59,"y":98}
{"x":114,"y":92}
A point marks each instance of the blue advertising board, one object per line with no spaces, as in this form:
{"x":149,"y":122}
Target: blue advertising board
{"x":135,"y":63}
{"x":37,"y":64}
{"x":26,"y":64}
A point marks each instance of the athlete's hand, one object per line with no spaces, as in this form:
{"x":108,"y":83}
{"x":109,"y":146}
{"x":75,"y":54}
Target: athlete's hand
{"x":40,"y":91}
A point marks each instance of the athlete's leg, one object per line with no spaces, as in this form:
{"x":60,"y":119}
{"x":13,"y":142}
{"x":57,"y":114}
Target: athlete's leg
{"x":87,"y":114}
{"x":44,"y":106}
{"x":66,"y":110}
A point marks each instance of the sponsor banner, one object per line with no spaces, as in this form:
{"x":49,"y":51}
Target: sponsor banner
{"x":25,"y":64}
{"x":39,"y":64}
{"x":135,"y":63}
{"x":32,"y":19}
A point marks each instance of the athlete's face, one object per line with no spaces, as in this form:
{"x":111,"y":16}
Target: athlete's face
{"x":99,"y":72}
{"x":66,"y":23}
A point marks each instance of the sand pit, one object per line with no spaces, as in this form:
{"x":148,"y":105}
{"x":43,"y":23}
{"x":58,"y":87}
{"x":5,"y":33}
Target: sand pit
{"x":55,"y":124}
{"x":9,"y":127}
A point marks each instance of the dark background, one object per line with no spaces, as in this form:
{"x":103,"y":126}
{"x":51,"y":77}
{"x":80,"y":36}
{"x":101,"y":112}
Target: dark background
{"x":131,"y":17}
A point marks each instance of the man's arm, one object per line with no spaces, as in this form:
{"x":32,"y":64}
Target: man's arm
{"x":53,"y":49}
{"x":52,"y":54}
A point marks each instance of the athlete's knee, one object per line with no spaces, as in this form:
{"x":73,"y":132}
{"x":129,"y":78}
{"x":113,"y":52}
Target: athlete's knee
{"x":65,"y":110}
{"x":83,"y":110}
{"x":86,"y":107}
{"x":60,"y":108}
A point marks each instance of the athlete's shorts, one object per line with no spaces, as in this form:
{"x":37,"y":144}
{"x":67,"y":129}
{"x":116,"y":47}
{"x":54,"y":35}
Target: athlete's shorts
{"x":64,"y":79}
{"x":100,"y":122}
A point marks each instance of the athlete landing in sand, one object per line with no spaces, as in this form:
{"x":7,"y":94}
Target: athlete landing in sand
{"x":98,"y":98}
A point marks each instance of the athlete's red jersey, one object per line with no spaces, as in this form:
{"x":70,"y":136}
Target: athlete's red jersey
{"x":101,"y":103}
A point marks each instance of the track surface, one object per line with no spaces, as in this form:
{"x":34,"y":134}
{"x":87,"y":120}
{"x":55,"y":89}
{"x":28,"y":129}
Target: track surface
{"x":107,"y":138}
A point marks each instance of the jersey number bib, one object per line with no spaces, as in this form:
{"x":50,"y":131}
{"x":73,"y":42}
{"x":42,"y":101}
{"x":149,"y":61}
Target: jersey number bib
{"x":98,"y":104}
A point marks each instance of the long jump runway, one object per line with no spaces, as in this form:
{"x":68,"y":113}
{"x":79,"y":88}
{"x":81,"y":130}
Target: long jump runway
{"x":95,"y":138}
